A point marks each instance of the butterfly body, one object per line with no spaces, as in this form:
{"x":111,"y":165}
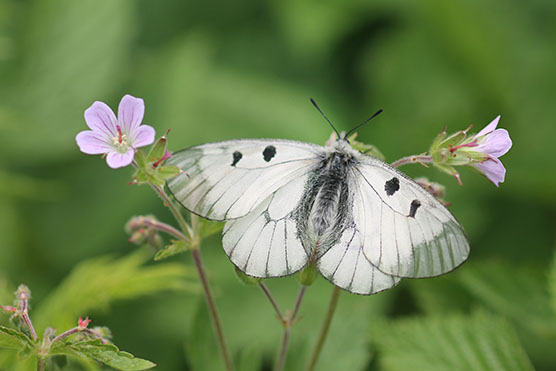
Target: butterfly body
{"x":364,"y":224}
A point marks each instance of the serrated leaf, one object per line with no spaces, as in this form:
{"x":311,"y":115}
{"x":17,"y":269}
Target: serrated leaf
{"x":517,"y":292}
{"x":171,"y":250}
{"x":12,"y":338}
{"x":108,"y":354}
{"x":96,"y":283}
{"x":208,"y":228}
{"x":478,"y":342}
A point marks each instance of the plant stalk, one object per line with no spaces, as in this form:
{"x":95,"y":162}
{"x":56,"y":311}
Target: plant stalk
{"x":212,"y":310}
{"x":288,"y":323}
{"x":192,"y":231}
{"x":421,"y":159}
{"x":266,"y":291}
{"x":325,"y":328}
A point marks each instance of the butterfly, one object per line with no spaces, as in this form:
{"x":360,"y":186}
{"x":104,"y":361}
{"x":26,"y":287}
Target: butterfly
{"x":363,"y":223}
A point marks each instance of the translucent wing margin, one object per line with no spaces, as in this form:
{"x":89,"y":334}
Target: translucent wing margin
{"x":345,"y":265}
{"x":265,"y":242}
{"x":227,"y":180}
{"x":407,"y":232}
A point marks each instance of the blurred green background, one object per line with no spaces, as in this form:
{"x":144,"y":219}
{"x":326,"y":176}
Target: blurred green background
{"x":217,"y":70}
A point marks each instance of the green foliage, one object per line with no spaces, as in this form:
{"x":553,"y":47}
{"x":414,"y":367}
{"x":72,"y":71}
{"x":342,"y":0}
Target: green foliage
{"x":209,"y":228}
{"x":517,"y":292}
{"x":481,"y":341}
{"x":106,"y":353}
{"x":177,"y":247}
{"x":213,"y":76}
{"x":96,"y":283}
{"x":11,"y":338}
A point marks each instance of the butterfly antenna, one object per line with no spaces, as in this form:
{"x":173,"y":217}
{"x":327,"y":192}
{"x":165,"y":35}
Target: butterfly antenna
{"x":364,"y":122}
{"x":323,"y":115}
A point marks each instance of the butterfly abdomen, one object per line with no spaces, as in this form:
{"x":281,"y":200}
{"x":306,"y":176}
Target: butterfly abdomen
{"x":323,"y":209}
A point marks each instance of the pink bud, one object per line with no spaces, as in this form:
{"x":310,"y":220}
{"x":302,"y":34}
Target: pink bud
{"x":83,"y":323}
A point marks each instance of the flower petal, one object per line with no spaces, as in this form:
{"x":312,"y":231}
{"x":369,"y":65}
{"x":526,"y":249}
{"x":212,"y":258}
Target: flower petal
{"x":130,"y":113}
{"x":496,"y":143}
{"x":92,"y":143}
{"x":100,"y":118}
{"x":144,"y":135}
{"x":493,"y":170}
{"x":116,"y":159}
{"x":489,"y":128}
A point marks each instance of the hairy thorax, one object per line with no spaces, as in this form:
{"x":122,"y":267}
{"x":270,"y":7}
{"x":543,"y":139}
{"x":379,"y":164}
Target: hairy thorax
{"x":331,"y":199}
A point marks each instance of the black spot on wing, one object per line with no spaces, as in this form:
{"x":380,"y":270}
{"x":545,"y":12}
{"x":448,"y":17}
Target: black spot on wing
{"x":237,"y":156}
{"x":415,"y":204}
{"x":269,"y":152}
{"x":392,"y":186}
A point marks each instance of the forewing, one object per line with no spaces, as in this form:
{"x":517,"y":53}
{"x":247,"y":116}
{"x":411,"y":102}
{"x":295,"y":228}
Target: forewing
{"x":345,"y":265}
{"x":227,"y":180}
{"x":265,"y":242}
{"x":406,"y":231}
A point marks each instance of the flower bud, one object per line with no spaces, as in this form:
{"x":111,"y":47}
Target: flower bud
{"x":248,"y":280}
{"x":308,"y":275}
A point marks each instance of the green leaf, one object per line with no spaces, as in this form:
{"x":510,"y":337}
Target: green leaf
{"x":106,"y":353}
{"x":11,"y":338}
{"x":208,"y":228}
{"x":171,"y":250}
{"x":478,"y":342}
{"x":516,"y":291}
{"x":96,"y":283}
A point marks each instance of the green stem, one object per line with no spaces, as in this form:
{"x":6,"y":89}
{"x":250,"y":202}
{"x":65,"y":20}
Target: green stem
{"x":422,"y":159}
{"x":325,"y":328}
{"x":192,"y":231}
{"x":288,"y":323}
{"x":266,"y":291}
{"x":212,"y":310}
{"x":175,"y":211}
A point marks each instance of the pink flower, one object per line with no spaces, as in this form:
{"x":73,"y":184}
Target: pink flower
{"x":83,"y":323}
{"x":117,"y":138}
{"x":493,"y":143}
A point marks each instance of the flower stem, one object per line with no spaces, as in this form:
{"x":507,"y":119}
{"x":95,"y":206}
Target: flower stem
{"x":266,"y":291}
{"x":192,"y":231}
{"x":175,"y":211}
{"x":422,"y":159}
{"x":325,"y":328}
{"x":41,"y":364}
{"x":24,"y":310}
{"x":212,"y":309}
{"x":140,"y":221}
{"x":288,"y":323}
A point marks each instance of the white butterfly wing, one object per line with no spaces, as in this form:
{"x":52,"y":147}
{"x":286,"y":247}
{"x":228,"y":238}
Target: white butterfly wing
{"x":406,"y":231}
{"x":265,"y":242}
{"x":345,"y":265}
{"x":228,"y":180}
